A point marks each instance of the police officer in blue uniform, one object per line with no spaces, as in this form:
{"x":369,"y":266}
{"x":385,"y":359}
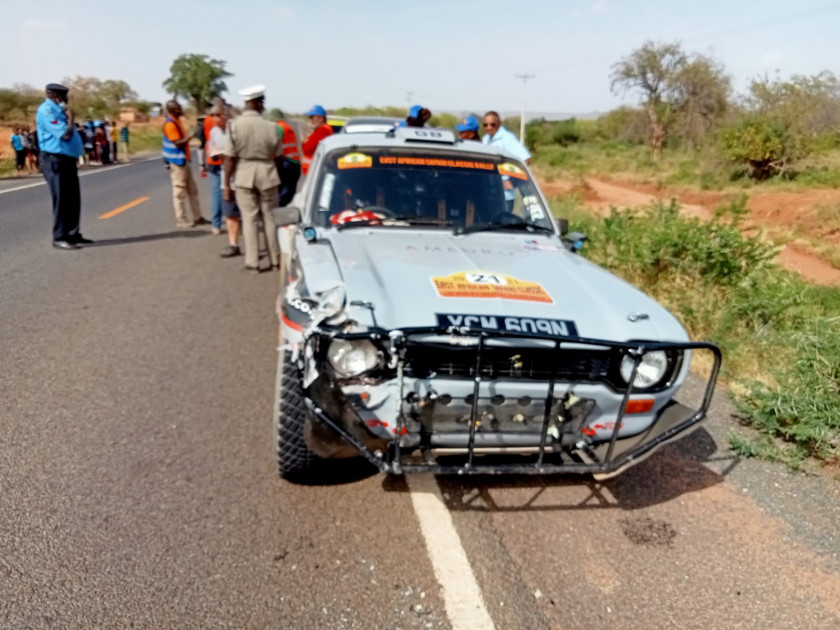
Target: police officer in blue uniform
{"x":61,"y":147}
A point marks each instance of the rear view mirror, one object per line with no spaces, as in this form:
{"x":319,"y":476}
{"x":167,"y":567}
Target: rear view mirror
{"x":286,"y":216}
{"x":563,"y":224}
{"x":575,"y":241}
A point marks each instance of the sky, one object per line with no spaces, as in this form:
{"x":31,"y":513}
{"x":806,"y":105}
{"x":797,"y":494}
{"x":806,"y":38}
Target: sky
{"x":448,"y":55}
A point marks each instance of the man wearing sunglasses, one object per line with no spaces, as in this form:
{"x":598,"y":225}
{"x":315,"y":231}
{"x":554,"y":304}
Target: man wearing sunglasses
{"x":499,"y":137}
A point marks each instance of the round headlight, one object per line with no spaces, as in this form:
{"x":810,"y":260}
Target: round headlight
{"x":352,"y":358}
{"x":652,"y":368}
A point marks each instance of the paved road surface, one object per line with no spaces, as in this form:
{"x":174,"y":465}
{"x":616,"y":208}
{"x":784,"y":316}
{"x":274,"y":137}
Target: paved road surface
{"x":137,"y":484}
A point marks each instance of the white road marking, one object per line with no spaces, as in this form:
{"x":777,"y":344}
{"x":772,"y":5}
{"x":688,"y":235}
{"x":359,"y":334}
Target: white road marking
{"x":44,"y":183}
{"x":461,"y":595}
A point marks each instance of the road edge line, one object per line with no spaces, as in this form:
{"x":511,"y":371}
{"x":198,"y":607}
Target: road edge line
{"x":462,"y":597}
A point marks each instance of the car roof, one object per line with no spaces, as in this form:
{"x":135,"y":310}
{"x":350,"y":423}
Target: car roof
{"x":374,"y":120}
{"x":408,"y":137}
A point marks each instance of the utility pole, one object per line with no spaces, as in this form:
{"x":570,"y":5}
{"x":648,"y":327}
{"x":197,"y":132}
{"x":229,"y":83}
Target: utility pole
{"x":408,"y":96}
{"x":524,"y":78}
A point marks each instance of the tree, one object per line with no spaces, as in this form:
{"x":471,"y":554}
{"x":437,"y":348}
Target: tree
{"x":198,"y":78}
{"x":783,"y":122}
{"x":674,"y":86}
{"x":116,"y":92}
{"x":275,"y":113}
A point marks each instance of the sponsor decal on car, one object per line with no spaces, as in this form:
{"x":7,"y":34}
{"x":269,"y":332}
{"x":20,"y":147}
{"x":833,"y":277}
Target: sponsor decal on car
{"x":509,"y":323}
{"x":393,"y":160}
{"x":532,"y":245}
{"x":512,"y":170}
{"x":354,"y":160}
{"x":480,"y":284}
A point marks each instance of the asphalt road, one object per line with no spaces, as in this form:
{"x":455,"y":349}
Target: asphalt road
{"x":137,"y":483}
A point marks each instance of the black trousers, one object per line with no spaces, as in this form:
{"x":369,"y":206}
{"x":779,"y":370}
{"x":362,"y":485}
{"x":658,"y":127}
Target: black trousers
{"x":63,"y":182}
{"x":289,"y":176}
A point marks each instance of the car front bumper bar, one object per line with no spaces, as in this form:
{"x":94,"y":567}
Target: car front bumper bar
{"x":604,"y":457}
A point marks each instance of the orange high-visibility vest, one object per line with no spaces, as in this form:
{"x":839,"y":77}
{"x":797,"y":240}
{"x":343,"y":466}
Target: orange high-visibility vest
{"x":290,"y":145}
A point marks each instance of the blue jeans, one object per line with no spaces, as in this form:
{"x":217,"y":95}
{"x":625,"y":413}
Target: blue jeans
{"x":215,"y":173}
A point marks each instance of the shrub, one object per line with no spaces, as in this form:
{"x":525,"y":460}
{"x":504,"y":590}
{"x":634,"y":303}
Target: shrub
{"x":780,"y":336}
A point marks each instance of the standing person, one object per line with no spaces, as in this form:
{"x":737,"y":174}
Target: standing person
{"x":34,"y":149}
{"x":212,"y":165}
{"x":90,"y":142}
{"x":468,"y":129}
{"x":27,"y":146}
{"x":176,"y":153}
{"x":289,"y":168}
{"x":320,"y":130}
{"x":124,"y":140}
{"x":215,"y":147}
{"x":114,"y":137}
{"x":251,"y":150}
{"x":103,"y":143}
{"x":60,"y":146}
{"x":20,"y":150}
{"x":497,"y":136}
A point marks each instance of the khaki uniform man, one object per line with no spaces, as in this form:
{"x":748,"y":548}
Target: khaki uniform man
{"x":252,"y":144}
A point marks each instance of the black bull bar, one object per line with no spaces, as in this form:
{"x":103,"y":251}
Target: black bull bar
{"x":607,"y":457}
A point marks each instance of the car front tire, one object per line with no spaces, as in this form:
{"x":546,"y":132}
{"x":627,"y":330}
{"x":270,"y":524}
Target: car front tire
{"x":295,"y":461}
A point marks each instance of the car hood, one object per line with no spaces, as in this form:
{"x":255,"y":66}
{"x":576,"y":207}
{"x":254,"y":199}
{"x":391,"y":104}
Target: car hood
{"x":410,"y":277}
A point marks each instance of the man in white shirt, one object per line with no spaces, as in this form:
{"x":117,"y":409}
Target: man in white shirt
{"x":214,"y":147}
{"x":497,"y":136}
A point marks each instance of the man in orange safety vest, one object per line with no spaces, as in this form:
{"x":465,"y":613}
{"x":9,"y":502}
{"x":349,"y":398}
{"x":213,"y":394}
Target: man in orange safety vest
{"x":289,"y":167}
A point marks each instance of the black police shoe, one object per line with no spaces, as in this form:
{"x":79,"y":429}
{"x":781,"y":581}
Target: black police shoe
{"x":80,"y":240}
{"x":64,"y":245}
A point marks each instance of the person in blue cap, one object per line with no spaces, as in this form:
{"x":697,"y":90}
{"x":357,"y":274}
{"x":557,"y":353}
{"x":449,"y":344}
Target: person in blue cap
{"x":418,"y":116}
{"x":320,"y":130}
{"x":61,"y":146}
{"x":468,"y":129}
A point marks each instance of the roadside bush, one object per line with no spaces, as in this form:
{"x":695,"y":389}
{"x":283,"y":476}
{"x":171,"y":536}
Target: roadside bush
{"x":760,"y":142}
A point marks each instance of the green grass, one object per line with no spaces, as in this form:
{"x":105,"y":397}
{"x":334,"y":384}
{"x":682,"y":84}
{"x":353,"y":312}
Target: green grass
{"x":145,"y":139}
{"x":678,"y":167}
{"x":780,"y":335}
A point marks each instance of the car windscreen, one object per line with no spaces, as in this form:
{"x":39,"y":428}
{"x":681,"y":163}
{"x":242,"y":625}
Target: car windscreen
{"x":433,"y":187}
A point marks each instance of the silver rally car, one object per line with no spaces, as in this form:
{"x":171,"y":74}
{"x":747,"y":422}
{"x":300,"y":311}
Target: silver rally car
{"x":434,"y":318}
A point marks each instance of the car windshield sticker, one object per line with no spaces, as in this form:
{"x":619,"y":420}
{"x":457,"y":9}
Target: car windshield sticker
{"x":407,"y":160}
{"x":500,"y":323}
{"x":355,"y":160}
{"x":479,"y":284}
{"x":512,"y":170}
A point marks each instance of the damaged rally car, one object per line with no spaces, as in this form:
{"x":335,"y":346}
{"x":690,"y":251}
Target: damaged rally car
{"x":434,"y":318}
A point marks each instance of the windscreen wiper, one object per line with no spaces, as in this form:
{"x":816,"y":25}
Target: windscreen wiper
{"x":517,"y":225}
{"x":413,"y":220}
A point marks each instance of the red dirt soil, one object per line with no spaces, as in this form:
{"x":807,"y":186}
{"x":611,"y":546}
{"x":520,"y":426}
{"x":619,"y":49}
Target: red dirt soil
{"x":781,"y":214}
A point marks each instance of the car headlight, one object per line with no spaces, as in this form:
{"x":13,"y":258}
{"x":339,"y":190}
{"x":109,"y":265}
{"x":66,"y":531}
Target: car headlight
{"x":352,"y":358}
{"x":652,"y":369}
{"x":331,"y":302}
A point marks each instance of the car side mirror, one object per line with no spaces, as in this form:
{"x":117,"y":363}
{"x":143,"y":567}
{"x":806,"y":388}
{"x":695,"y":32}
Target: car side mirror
{"x":563,"y":224}
{"x":574,"y":241}
{"x":286,"y":216}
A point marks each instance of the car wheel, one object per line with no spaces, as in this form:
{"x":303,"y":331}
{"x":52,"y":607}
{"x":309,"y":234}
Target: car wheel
{"x":295,"y":461}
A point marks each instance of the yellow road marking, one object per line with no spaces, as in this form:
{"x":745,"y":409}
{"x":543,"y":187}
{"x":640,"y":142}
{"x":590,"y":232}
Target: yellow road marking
{"x":116,"y":211}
